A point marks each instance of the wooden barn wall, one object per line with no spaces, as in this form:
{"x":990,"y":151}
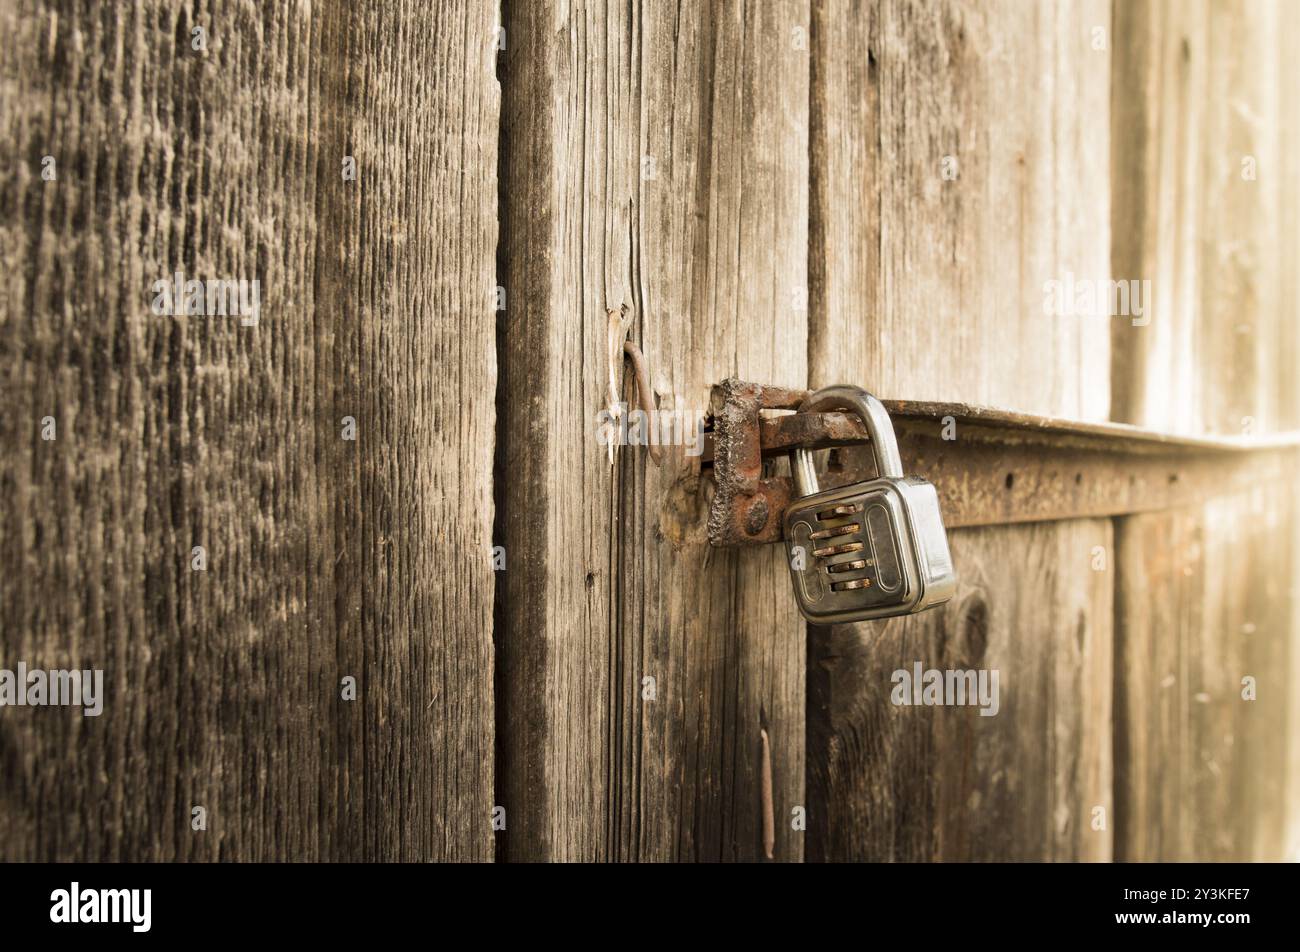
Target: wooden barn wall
{"x":655,"y":176}
{"x":327,"y":557}
{"x":1204,"y":602}
{"x":944,"y":199}
{"x":663,"y":193}
{"x":1204,"y":208}
{"x":1204,"y":172}
{"x":796,"y":192}
{"x":945,"y":195}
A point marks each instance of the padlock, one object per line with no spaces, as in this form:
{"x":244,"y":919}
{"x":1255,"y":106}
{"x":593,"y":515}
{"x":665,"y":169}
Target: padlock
{"x":870,"y":549}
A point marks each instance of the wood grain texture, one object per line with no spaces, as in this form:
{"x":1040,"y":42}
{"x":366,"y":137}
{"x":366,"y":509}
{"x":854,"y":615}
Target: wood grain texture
{"x":1288,"y":249}
{"x":946,"y":195}
{"x":931,"y":286}
{"x":327,"y":557}
{"x":664,"y":179}
{"x":1290,"y":846}
{"x":1205,"y":598}
{"x":1204,"y":207}
{"x":924,"y":783}
{"x":1157,"y":103}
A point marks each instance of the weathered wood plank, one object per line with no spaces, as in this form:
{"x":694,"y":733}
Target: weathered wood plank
{"x":665,"y":180}
{"x":1204,"y":208}
{"x":326,"y":557}
{"x":1288,"y":198}
{"x":944,"y":201}
{"x":1157,"y":122}
{"x":1238,"y":237}
{"x":919,"y":783}
{"x":1205,"y":599}
{"x":1290,"y":845}
{"x":943,"y":204}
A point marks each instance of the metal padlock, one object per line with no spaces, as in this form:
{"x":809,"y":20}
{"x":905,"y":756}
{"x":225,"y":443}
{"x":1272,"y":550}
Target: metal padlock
{"x":870,"y":549}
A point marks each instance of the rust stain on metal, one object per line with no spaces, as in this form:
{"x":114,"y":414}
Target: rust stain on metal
{"x":645,"y":395}
{"x":617,"y":323}
{"x":747,"y":505}
{"x":990,"y":467}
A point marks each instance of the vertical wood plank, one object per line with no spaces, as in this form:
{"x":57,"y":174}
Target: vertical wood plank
{"x":1202,"y":209}
{"x":1160,"y":77}
{"x":926,"y":783}
{"x":665,"y":181}
{"x":326,"y":558}
{"x":1204,"y":600}
{"x":722,"y":286}
{"x":1288,"y":249}
{"x":943,"y":204}
{"x":1290,"y":845}
{"x":1240,"y":194}
{"x":1205,"y":207}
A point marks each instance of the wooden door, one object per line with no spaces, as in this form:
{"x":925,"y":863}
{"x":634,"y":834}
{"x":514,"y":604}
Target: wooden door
{"x":365,"y":577}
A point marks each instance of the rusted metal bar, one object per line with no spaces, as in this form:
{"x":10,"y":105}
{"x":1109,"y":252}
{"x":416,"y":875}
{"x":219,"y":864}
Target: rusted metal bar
{"x":746,"y":506}
{"x":645,"y":395}
{"x":990,"y":466}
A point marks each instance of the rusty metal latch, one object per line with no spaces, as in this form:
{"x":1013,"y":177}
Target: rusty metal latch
{"x":989,"y":466}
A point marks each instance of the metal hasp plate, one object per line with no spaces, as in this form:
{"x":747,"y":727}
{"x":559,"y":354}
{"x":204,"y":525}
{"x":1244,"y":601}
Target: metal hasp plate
{"x":747,"y":506}
{"x":990,"y":467}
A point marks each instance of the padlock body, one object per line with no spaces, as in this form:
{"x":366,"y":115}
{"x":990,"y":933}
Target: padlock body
{"x":868,"y":550}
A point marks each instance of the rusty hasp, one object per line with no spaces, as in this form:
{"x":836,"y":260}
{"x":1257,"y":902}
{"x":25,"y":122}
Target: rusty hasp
{"x":747,"y":506}
{"x":990,"y":467}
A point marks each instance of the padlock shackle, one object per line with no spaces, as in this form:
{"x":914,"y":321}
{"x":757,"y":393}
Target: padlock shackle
{"x":884,"y":446}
